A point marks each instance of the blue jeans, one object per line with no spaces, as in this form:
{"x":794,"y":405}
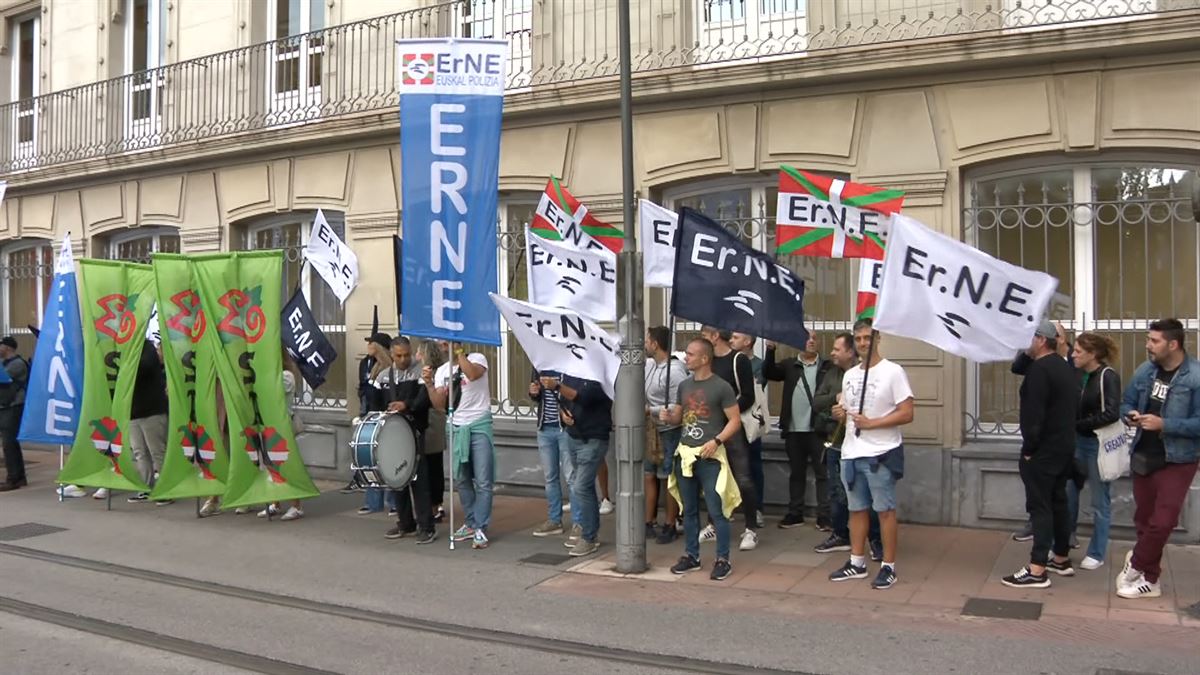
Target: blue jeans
{"x":839,"y":511}
{"x":377,"y":498}
{"x":474,"y":482}
{"x":586,"y":456}
{"x":756,"y":473}
{"x":704,"y":477}
{"x":556,"y":461}
{"x":1087,"y":451}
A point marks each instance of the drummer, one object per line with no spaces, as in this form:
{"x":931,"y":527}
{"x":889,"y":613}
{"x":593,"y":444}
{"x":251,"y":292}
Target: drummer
{"x":406,"y":395}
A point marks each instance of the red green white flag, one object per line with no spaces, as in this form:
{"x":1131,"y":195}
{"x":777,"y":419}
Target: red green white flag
{"x":870,"y":272}
{"x":561,"y":217}
{"x":832,"y":218}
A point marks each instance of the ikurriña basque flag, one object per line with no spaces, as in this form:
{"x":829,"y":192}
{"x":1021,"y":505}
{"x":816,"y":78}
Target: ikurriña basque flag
{"x":55,"y":391}
{"x":451,"y":99}
{"x":719,"y":281}
{"x":831,"y":218}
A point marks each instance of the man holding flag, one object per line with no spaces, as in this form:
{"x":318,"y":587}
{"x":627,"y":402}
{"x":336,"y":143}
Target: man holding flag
{"x":12,"y":405}
{"x":876,"y":401}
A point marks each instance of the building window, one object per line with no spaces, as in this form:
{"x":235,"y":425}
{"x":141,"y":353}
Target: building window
{"x":1119,"y":236}
{"x":145,"y":54}
{"x":289,"y":233}
{"x":747,"y":208}
{"x":296,"y":54}
{"x":25,"y":39}
{"x":512,"y":381}
{"x":139,"y":245}
{"x":510,"y":20}
{"x":732,"y":29}
{"x":26,"y":275}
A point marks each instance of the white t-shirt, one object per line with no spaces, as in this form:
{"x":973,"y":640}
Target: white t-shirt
{"x":476,"y":401}
{"x":887,"y":388}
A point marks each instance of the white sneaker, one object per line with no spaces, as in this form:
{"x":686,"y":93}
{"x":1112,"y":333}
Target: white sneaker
{"x":567,"y":507}
{"x":749,"y":541}
{"x":1128,"y":575}
{"x":73,"y":491}
{"x":607,"y":507}
{"x":709,"y":533}
{"x":1090,"y":563}
{"x":293,"y":513}
{"x":102,"y":493}
{"x":212,"y":506}
{"x":241,"y":510}
{"x":271,"y":510}
{"x":1139,"y":588}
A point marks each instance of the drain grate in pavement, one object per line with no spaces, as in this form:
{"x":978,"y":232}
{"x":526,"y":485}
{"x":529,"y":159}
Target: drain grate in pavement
{"x":27,"y":530}
{"x":546,"y":559}
{"x":1002,"y":609}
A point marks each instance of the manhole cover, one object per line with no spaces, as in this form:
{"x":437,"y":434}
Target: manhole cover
{"x":1002,"y":609}
{"x":546,"y":559}
{"x":27,"y":530}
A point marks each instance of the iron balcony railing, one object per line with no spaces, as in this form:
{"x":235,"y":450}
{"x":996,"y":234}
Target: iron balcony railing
{"x":351,"y":68}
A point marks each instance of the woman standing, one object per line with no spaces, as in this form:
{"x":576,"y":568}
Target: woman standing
{"x":429,"y":355}
{"x":1099,"y":405}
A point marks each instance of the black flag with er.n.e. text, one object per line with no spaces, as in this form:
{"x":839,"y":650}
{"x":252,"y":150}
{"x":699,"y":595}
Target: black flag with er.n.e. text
{"x":305,"y":342}
{"x":719,"y":281}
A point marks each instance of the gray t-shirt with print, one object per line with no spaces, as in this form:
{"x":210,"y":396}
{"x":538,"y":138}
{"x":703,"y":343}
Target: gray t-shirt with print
{"x":704,"y":403}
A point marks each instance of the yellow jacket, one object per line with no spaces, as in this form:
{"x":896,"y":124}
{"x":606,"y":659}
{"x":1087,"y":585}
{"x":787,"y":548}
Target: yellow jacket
{"x":727,"y":487}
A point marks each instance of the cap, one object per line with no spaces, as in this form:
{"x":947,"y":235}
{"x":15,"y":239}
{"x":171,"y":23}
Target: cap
{"x":1046,"y":329}
{"x":382,"y":339}
{"x":8,"y":341}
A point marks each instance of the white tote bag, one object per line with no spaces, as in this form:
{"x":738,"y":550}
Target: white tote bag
{"x":1115,"y":445}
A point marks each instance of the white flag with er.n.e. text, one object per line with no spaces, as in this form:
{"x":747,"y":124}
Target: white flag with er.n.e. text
{"x":332,"y":258}
{"x":557,"y":339}
{"x":582,"y":280}
{"x":956,"y":297}
{"x":658,"y":244}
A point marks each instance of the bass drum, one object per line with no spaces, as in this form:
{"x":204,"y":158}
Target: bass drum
{"x":385,"y":451}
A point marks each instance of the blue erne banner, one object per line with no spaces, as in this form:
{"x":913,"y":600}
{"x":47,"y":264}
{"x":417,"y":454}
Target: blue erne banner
{"x":55,"y":391}
{"x":719,"y":281}
{"x":451,"y":99}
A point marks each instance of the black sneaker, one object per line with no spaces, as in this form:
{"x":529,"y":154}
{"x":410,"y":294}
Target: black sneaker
{"x":686,"y":564}
{"x":885,"y":579}
{"x":824,"y":525}
{"x":350,"y":488}
{"x":721,"y":569}
{"x":139,"y":498}
{"x":427,"y":537}
{"x":440,"y":515}
{"x":397,"y":533}
{"x":831,"y":544}
{"x":1062,"y":569}
{"x":666,"y":535}
{"x":651,"y":531}
{"x":1023,"y":578}
{"x":1025,"y":533}
{"x":876,"y":551}
{"x":848,"y":572}
{"x":789,"y":521}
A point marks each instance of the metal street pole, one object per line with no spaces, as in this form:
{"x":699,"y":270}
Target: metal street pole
{"x":630,"y":404}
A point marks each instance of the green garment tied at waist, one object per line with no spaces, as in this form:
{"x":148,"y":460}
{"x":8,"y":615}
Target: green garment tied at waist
{"x":462,"y":438}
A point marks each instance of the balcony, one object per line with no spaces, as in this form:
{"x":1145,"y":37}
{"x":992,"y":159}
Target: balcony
{"x":350,"y":69}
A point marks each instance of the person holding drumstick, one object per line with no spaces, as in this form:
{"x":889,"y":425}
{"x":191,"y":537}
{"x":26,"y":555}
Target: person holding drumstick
{"x":407,"y":396}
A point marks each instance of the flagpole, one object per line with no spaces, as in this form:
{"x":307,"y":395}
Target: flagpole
{"x":61,"y":488}
{"x":450,"y":438}
{"x":629,"y":410}
{"x":862,"y":397}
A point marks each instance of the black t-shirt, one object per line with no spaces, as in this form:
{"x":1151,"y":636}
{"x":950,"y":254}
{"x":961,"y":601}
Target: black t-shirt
{"x":1151,"y":444}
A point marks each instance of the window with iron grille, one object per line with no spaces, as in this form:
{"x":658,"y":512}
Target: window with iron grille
{"x":510,"y":20}
{"x":26,"y":275}
{"x":1120,"y":238}
{"x":138,"y":245}
{"x":289,"y":233}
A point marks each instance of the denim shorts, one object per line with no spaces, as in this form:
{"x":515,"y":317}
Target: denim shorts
{"x":670,"y":442}
{"x":872,"y":489}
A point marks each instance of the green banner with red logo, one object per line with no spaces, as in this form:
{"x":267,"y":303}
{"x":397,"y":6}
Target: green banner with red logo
{"x":197,"y":461}
{"x":240,"y":294}
{"x":117,"y":298}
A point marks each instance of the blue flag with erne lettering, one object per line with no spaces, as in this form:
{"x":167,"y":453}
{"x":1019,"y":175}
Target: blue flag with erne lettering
{"x":719,"y":281}
{"x":55,"y":392}
{"x":451,"y":99}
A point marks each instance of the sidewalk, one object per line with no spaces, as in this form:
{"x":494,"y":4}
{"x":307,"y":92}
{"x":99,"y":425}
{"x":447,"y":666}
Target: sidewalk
{"x":941,"y":570}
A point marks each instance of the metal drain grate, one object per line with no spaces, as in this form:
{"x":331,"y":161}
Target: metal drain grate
{"x":27,"y":530}
{"x":550,"y":559}
{"x":1002,"y":609}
